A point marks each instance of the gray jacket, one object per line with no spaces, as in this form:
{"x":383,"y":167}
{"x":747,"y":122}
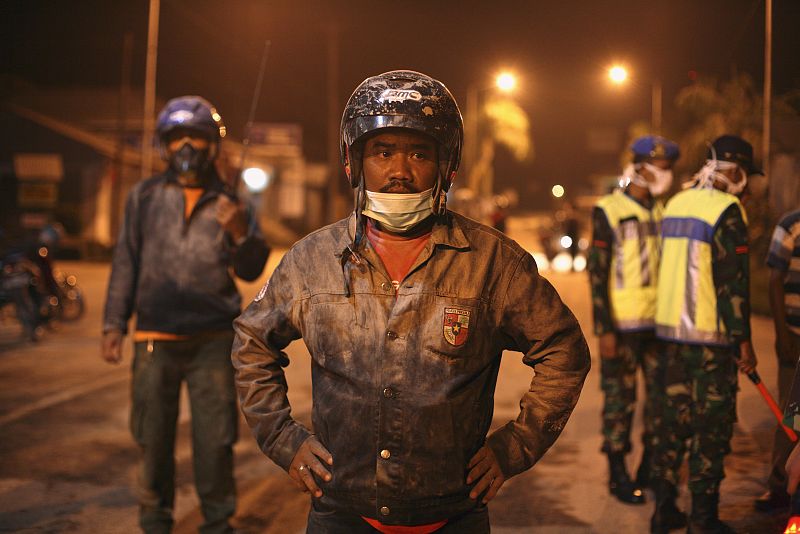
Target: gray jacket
{"x":176,"y":273}
{"x":403,"y":383}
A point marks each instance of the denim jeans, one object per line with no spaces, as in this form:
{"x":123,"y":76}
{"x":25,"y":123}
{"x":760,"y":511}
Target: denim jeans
{"x":159,"y":368}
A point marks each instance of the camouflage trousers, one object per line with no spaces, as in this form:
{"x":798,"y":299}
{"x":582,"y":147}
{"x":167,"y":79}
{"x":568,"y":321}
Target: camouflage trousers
{"x":618,"y":380}
{"x":697,"y":414}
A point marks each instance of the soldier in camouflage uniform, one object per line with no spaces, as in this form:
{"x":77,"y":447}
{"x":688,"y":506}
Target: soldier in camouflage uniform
{"x":704,"y":316}
{"x":623,"y":261}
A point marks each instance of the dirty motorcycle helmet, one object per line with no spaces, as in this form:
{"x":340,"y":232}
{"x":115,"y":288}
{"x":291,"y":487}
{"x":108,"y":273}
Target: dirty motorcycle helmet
{"x":195,"y":115}
{"x":403,"y":99}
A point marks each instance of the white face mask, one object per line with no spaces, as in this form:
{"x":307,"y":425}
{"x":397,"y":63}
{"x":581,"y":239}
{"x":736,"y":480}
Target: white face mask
{"x":398,"y":212}
{"x":662,"y":179}
{"x":708,"y":175}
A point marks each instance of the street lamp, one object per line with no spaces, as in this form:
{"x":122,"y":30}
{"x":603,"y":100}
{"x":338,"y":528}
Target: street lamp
{"x":618,"y":75}
{"x":505,"y":82}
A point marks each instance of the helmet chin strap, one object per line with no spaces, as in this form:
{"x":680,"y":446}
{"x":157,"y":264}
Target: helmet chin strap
{"x":439,"y":197}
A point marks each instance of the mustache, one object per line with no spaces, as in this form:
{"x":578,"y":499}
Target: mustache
{"x":395,"y":186}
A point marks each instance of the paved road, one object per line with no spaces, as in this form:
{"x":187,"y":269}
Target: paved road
{"x":67,"y":461}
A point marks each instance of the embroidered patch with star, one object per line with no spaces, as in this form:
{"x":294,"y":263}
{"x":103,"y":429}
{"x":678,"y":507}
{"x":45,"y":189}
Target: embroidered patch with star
{"x":456,"y":325}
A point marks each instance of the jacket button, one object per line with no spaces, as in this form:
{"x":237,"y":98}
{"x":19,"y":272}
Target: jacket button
{"x":385,"y":454}
{"x":385,"y":510}
{"x":391,"y":334}
{"x":385,"y":286}
{"x":388,"y":393}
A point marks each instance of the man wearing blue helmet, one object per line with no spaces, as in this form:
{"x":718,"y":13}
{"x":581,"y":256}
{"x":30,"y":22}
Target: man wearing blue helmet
{"x":623,"y":264}
{"x":181,"y":240}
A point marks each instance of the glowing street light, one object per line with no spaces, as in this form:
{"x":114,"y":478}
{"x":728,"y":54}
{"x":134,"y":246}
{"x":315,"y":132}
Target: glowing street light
{"x":506,"y":82}
{"x":558,"y":191}
{"x":618,"y":74}
{"x":256,"y":179}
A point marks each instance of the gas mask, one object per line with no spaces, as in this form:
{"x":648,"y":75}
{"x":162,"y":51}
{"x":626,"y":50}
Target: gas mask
{"x":189,"y":161}
{"x":398,"y":212}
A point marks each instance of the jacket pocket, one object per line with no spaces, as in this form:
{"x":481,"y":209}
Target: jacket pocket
{"x":330,"y":324}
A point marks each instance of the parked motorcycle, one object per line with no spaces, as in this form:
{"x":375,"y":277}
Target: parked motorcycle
{"x":18,"y":288}
{"x":41,"y":295}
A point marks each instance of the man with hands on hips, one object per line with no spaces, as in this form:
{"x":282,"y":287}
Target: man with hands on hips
{"x":406,"y":308}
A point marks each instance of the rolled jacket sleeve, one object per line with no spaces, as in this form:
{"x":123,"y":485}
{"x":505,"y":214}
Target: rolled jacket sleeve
{"x":547,"y":333}
{"x":263,"y":330}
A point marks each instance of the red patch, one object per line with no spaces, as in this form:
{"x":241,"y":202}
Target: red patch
{"x":456,"y":325}
{"x":742,"y":250}
{"x":601,"y":244}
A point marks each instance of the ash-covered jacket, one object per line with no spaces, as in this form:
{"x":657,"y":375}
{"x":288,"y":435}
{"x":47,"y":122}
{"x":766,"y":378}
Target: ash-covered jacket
{"x":403,"y":383}
{"x":173,"y":272}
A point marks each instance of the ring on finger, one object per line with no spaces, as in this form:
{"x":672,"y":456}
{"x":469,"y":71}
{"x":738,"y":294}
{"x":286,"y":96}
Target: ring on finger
{"x":302,"y":468}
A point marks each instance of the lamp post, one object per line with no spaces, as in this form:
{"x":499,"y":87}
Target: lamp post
{"x":504,"y":82}
{"x":618,"y":74}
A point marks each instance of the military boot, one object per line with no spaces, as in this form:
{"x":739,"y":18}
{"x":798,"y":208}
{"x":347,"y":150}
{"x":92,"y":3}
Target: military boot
{"x":666,"y":516}
{"x":643,"y":473}
{"x":705,"y":515}
{"x":620,"y":483}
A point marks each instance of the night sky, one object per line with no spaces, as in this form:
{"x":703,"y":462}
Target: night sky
{"x":560,"y":50}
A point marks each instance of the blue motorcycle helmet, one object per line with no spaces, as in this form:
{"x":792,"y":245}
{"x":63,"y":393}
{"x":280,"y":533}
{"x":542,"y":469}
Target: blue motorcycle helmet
{"x":189,"y":115}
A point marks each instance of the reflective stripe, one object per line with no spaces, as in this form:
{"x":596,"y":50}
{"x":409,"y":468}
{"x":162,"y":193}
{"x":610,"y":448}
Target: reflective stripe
{"x":635,"y":324}
{"x":688,"y":227}
{"x":689,"y":312}
{"x":690,"y":335}
{"x":619,"y":251}
{"x":644,"y":261}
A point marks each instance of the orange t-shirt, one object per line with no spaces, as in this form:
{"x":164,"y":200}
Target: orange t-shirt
{"x":397,"y":253}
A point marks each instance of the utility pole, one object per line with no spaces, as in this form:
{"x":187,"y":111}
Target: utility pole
{"x":765,"y":136}
{"x":122,"y":112}
{"x":334,"y":164}
{"x":656,"y":113}
{"x":150,"y":89}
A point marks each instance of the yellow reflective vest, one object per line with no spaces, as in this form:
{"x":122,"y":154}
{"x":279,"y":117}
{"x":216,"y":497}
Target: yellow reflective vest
{"x":687,"y":298}
{"x":634,"y":260}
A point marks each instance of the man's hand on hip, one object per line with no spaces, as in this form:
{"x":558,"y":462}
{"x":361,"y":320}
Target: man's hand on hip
{"x":485,"y":468}
{"x":111,"y":348}
{"x":306,"y":463}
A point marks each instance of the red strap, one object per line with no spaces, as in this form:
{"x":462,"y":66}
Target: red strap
{"x":398,"y":529}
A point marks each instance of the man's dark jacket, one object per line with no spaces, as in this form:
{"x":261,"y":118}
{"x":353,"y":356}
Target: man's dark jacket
{"x":404,"y":380}
{"x":174,"y":272}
